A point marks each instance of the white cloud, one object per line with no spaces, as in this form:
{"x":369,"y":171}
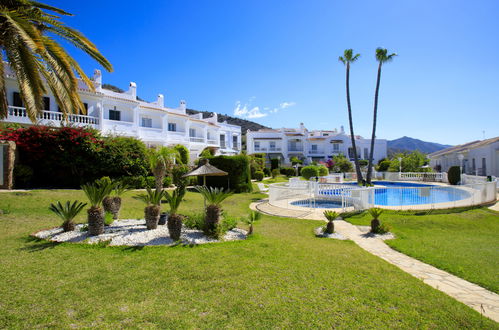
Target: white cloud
{"x":249,"y":112}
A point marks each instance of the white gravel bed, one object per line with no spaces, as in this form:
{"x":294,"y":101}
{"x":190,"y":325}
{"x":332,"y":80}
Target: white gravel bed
{"x":320,"y":233}
{"x":131,"y":232}
{"x":366,"y":230}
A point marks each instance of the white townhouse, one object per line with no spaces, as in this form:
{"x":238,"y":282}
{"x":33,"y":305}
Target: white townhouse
{"x":285,"y":143}
{"x":475,"y":158}
{"x":123,"y":114}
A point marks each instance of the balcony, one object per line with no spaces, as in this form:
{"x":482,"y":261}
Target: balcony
{"x":260,"y":149}
{"x":196,"y":139}
{"x":274,"y":149}
{"x":19,"y":115}
{"x":209,"y":141}
{"x":316,"y":152}
{"x":295,"y":149}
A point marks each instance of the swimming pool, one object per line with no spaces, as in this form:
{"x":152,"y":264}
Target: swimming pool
{"x":317,"y":203}
{"x":387,"y":193}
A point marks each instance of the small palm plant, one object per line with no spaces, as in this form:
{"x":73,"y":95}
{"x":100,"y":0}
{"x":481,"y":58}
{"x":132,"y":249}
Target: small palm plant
{"x":67,"y":212}
{"x":112,"y":203}
{"x":375,"y":212}
{"x":330,"y":216}
{"x":96,"y":192}
{"x":161,"y":161}
{"x":214,"y":198}
{"x":250,"y":220}
{"x":174,"y":219}
{"x":152,"y":198}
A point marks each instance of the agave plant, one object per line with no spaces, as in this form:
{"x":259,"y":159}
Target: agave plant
{"x":67,"y":212}
{"x":250,"y":220}
{"x":152,"y":198}
{"x":96,"y":192}
{"x":330,"y":216}
{"x":375,"y":212}
{"x":112,"y":202}
{"x":213,"y":197}
{"x":174,"y":219}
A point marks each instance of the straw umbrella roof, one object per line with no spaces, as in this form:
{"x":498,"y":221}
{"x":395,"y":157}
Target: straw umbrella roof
{"x":206,"y":170}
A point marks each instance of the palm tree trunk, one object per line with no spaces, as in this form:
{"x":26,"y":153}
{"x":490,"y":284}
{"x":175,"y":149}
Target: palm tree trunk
{"x":352,"y":136}
{"x":375,"y":117}
{"x":159,"y":175}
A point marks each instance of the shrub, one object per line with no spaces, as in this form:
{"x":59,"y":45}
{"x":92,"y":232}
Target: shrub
{"x":323,"y":171}
{"x":342,"y":164}
{"x":239,"y":177}
{"x":363,"y":162}
{"x":257,"y":163}
{"x":135,"y":182}
{"x":259,"y":176}
{"x":274,"y":163}
{"x":382,"y":229}
{"x":384,"y":165}
{"x":228,"y":223}
{"x":295,"y":160}
{"x":454,"y":175}
{"x":266,"y":171}
{"x":183,"y":153}
{"x":22,"y":175}
{"x":309,"y":171}
{"x":208,"y":152}
{"x":275,"y":173}
{"x":177,"y":172}
{"x":150,"y":182}
{"x":194,"y":221}
{"x":287,"y":171}
{"x":167,"y":181}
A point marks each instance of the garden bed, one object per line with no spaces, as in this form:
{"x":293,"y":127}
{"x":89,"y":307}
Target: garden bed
{"x":130,"y":232}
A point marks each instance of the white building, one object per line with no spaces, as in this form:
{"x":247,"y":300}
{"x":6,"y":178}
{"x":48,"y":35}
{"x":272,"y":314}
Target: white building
{"x":122,"y":114}
{"x":476,"y":158}
{"x":310,"y":146}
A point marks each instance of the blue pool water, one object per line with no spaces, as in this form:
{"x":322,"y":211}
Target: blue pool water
{"x":405,"y":193}
{"x":317,"y":203}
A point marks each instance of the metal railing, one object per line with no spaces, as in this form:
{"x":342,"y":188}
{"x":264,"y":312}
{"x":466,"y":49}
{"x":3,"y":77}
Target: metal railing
{"x":196,"y":139}
{"x":20,"y":112}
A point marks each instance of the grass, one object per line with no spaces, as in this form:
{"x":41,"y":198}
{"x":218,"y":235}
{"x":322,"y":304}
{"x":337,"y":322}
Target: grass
{"x":282,"y":277}
{"x":277,"y":179}
{"x":464,"y":243}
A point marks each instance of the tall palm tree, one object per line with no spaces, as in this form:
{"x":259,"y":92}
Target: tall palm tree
{"x":382,"y":57}
{"x":27,"y":42}
{"x":161,"y":161}
{"x":346,"y":59}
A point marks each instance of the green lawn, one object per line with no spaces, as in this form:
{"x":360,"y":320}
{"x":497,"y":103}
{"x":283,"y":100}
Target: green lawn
{"x":277,"y":179}
{"x":463,"y":243}
{"x":283,"y":277}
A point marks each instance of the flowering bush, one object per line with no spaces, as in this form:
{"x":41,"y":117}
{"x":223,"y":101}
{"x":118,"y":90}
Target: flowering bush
{"x":69,"y":156}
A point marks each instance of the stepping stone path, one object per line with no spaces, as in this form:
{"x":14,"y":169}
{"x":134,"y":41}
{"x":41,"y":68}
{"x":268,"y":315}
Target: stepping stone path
{"x":476,"y":297}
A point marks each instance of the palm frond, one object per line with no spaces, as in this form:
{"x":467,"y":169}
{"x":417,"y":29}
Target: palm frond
{"x":213,"y":196}
{"x":330,"y":215}
{"x":67,"y":211}
{"x":151,"y":197}
{"x":97,"y":191}
{"x":175,"y":199}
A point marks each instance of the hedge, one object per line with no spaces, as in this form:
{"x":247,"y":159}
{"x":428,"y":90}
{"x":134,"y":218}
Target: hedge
{"x":238,"y":167}
{"x":258,"y":176}
{"x":183,"y":153}
{"x":454,"y":175}
{"x":309,"y":171}
{"x":287,"y":171}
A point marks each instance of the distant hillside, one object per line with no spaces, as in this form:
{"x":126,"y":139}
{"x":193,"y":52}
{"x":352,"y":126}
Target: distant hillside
{"x":245,"y":124}
{"x":407,"y":144}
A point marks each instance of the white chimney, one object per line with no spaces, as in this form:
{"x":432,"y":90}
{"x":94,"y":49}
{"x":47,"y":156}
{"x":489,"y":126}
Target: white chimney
{"x":215,"y":117}
{"x":342,"y":129}
{"x":97,"y":79}
{"x":161,"y":100}
{"x":132,"y":90}
{"x":183,"y":105}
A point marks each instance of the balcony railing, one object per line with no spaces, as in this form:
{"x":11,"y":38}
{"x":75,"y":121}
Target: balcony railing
{"x":316,"y":152}
{"x":196,"y":139}
{"x":295,"y":149}
{"x":212,"y":141}
{"x":260,"y":149}
{"x":20,"y":113}
{"x":274,"y":149}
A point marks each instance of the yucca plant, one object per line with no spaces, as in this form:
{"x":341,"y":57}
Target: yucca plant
{"x":112,"y":202}
{"x":96,"y":192}
{"x":152,"y":198}
{"x":330,"y":216}
{"x":67,"y":212}
{"x":174,"y":219}
{"x":214,"y":198}
{"x":250,"y":220}
{"x":375,"y":212}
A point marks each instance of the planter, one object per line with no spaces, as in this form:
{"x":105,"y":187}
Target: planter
{"x":163,"y":218}
{"x":112,"y":205}
{"x":151,"y":213}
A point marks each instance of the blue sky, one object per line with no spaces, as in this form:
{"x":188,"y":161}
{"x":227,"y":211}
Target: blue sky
{"x":277,"y":61}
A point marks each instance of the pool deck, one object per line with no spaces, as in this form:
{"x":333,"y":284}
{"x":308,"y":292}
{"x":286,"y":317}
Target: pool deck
{"x":483,"y":301}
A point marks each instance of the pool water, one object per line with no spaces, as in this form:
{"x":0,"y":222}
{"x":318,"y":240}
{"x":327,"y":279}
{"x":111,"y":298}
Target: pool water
{"x":405,"y":193}
{"x":317,"y":203}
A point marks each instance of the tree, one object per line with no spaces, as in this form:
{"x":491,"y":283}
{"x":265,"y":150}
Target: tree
{"x":27,"y":42}
{"x":161,"y":162}
{"x":346,"y":59}
{"x":382,"y":57}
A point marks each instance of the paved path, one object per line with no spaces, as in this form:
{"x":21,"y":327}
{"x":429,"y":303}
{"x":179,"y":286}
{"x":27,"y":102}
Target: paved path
{"x":474,"y":296}
{"x":495,"y":207}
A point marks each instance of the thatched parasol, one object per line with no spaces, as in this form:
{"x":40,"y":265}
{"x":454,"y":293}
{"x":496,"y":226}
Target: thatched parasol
{"x":206,"y":170}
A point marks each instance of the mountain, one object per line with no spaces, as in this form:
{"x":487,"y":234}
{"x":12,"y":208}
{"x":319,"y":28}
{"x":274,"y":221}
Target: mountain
{"x":245,"y":124}
{"x":407,"y":144}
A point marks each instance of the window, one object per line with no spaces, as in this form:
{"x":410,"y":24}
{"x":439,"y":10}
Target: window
{"x":484,"y":166}
{"x":172,"y":127}
{"x":46,"y":103}
{"x":17,"y":101}
{"x":272,"y":145}
{"x":473,"y":165}
{"x":192,"y":132}
{"x":366,"y":153}
{"x":114,"y":115}
{"x":222,"y":140}
{"x":257,"y":145}
{"x":314,"y":147}
{"x":336,"y":147}
{"x":234,"y":140}
{"x":146,"y":122}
